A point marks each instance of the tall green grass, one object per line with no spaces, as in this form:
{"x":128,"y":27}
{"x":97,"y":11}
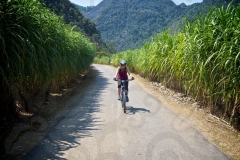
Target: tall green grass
{"x":102,"y":58}
{"x":38,"y":48}
{"x":203,"y":60}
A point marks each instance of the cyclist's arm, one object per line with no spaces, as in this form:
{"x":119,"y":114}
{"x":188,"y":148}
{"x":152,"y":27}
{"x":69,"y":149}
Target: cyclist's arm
{"x":116,"y":75}
{"x":128,"y":71}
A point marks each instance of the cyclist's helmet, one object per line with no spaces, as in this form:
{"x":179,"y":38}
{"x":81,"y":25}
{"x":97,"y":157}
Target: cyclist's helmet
{"x":123,"y":62}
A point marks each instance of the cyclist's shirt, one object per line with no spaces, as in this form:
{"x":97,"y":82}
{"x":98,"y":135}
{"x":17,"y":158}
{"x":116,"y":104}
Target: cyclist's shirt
{"x":122,"y":74}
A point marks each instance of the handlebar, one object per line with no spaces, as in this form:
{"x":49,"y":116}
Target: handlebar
{"x":125,"y":80}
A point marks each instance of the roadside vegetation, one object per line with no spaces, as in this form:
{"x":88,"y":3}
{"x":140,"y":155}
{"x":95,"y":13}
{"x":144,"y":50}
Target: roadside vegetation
{"x":38,"y":51}
{"x":202,"y":61}
{"x":102,"y":58}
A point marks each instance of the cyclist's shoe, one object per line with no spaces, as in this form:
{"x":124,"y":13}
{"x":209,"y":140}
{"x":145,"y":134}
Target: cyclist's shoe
{"x":127,"y":99}
{"x":119,"y":98}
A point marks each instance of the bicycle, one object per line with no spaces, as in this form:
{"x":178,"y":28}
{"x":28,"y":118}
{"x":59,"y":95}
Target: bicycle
{"x":124,"y":93}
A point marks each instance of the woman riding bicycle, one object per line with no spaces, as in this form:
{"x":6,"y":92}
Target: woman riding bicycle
{"x":122,"y":74}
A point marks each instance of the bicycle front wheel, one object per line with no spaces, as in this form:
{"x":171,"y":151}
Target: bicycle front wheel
{"x":124,"y":102}
{"x":124,"y":107}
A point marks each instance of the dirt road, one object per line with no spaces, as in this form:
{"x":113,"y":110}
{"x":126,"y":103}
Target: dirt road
{"x":95,"y":127}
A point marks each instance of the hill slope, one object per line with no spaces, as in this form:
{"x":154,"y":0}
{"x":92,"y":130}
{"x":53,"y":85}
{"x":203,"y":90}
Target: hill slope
{"x":84,"y":9}
{"x":73,"y":17}
{"x":129,"y":23}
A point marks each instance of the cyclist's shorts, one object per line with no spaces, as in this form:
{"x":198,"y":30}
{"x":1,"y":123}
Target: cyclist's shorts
{"x":120,"y":83}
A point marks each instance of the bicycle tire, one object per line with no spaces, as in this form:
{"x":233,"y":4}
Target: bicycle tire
{"x":124,"y":102}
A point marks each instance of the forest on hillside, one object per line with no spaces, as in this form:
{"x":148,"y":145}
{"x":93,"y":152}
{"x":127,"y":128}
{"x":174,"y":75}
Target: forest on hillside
{"x":84,"y":9}
{"x":76,"y":20}
{"x":130,"y":23}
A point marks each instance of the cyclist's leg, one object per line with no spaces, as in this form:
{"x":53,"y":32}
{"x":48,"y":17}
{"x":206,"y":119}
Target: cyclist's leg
{"x":119,"y":88}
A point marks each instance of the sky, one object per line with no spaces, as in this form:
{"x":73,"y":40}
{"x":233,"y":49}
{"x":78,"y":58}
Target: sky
{"x":96,"y":2}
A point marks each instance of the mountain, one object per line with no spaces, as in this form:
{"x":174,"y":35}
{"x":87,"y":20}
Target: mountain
{"x":84,"y":9}
{"x":73,"y":17}
{"x":130,"y":23}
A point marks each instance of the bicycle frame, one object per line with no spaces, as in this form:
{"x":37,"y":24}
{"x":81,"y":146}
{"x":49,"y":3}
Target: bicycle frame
{"x":124,"y":93}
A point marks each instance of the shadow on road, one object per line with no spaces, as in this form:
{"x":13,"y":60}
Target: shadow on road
{"x":77,"y":123}
{"x":132,"y":110}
